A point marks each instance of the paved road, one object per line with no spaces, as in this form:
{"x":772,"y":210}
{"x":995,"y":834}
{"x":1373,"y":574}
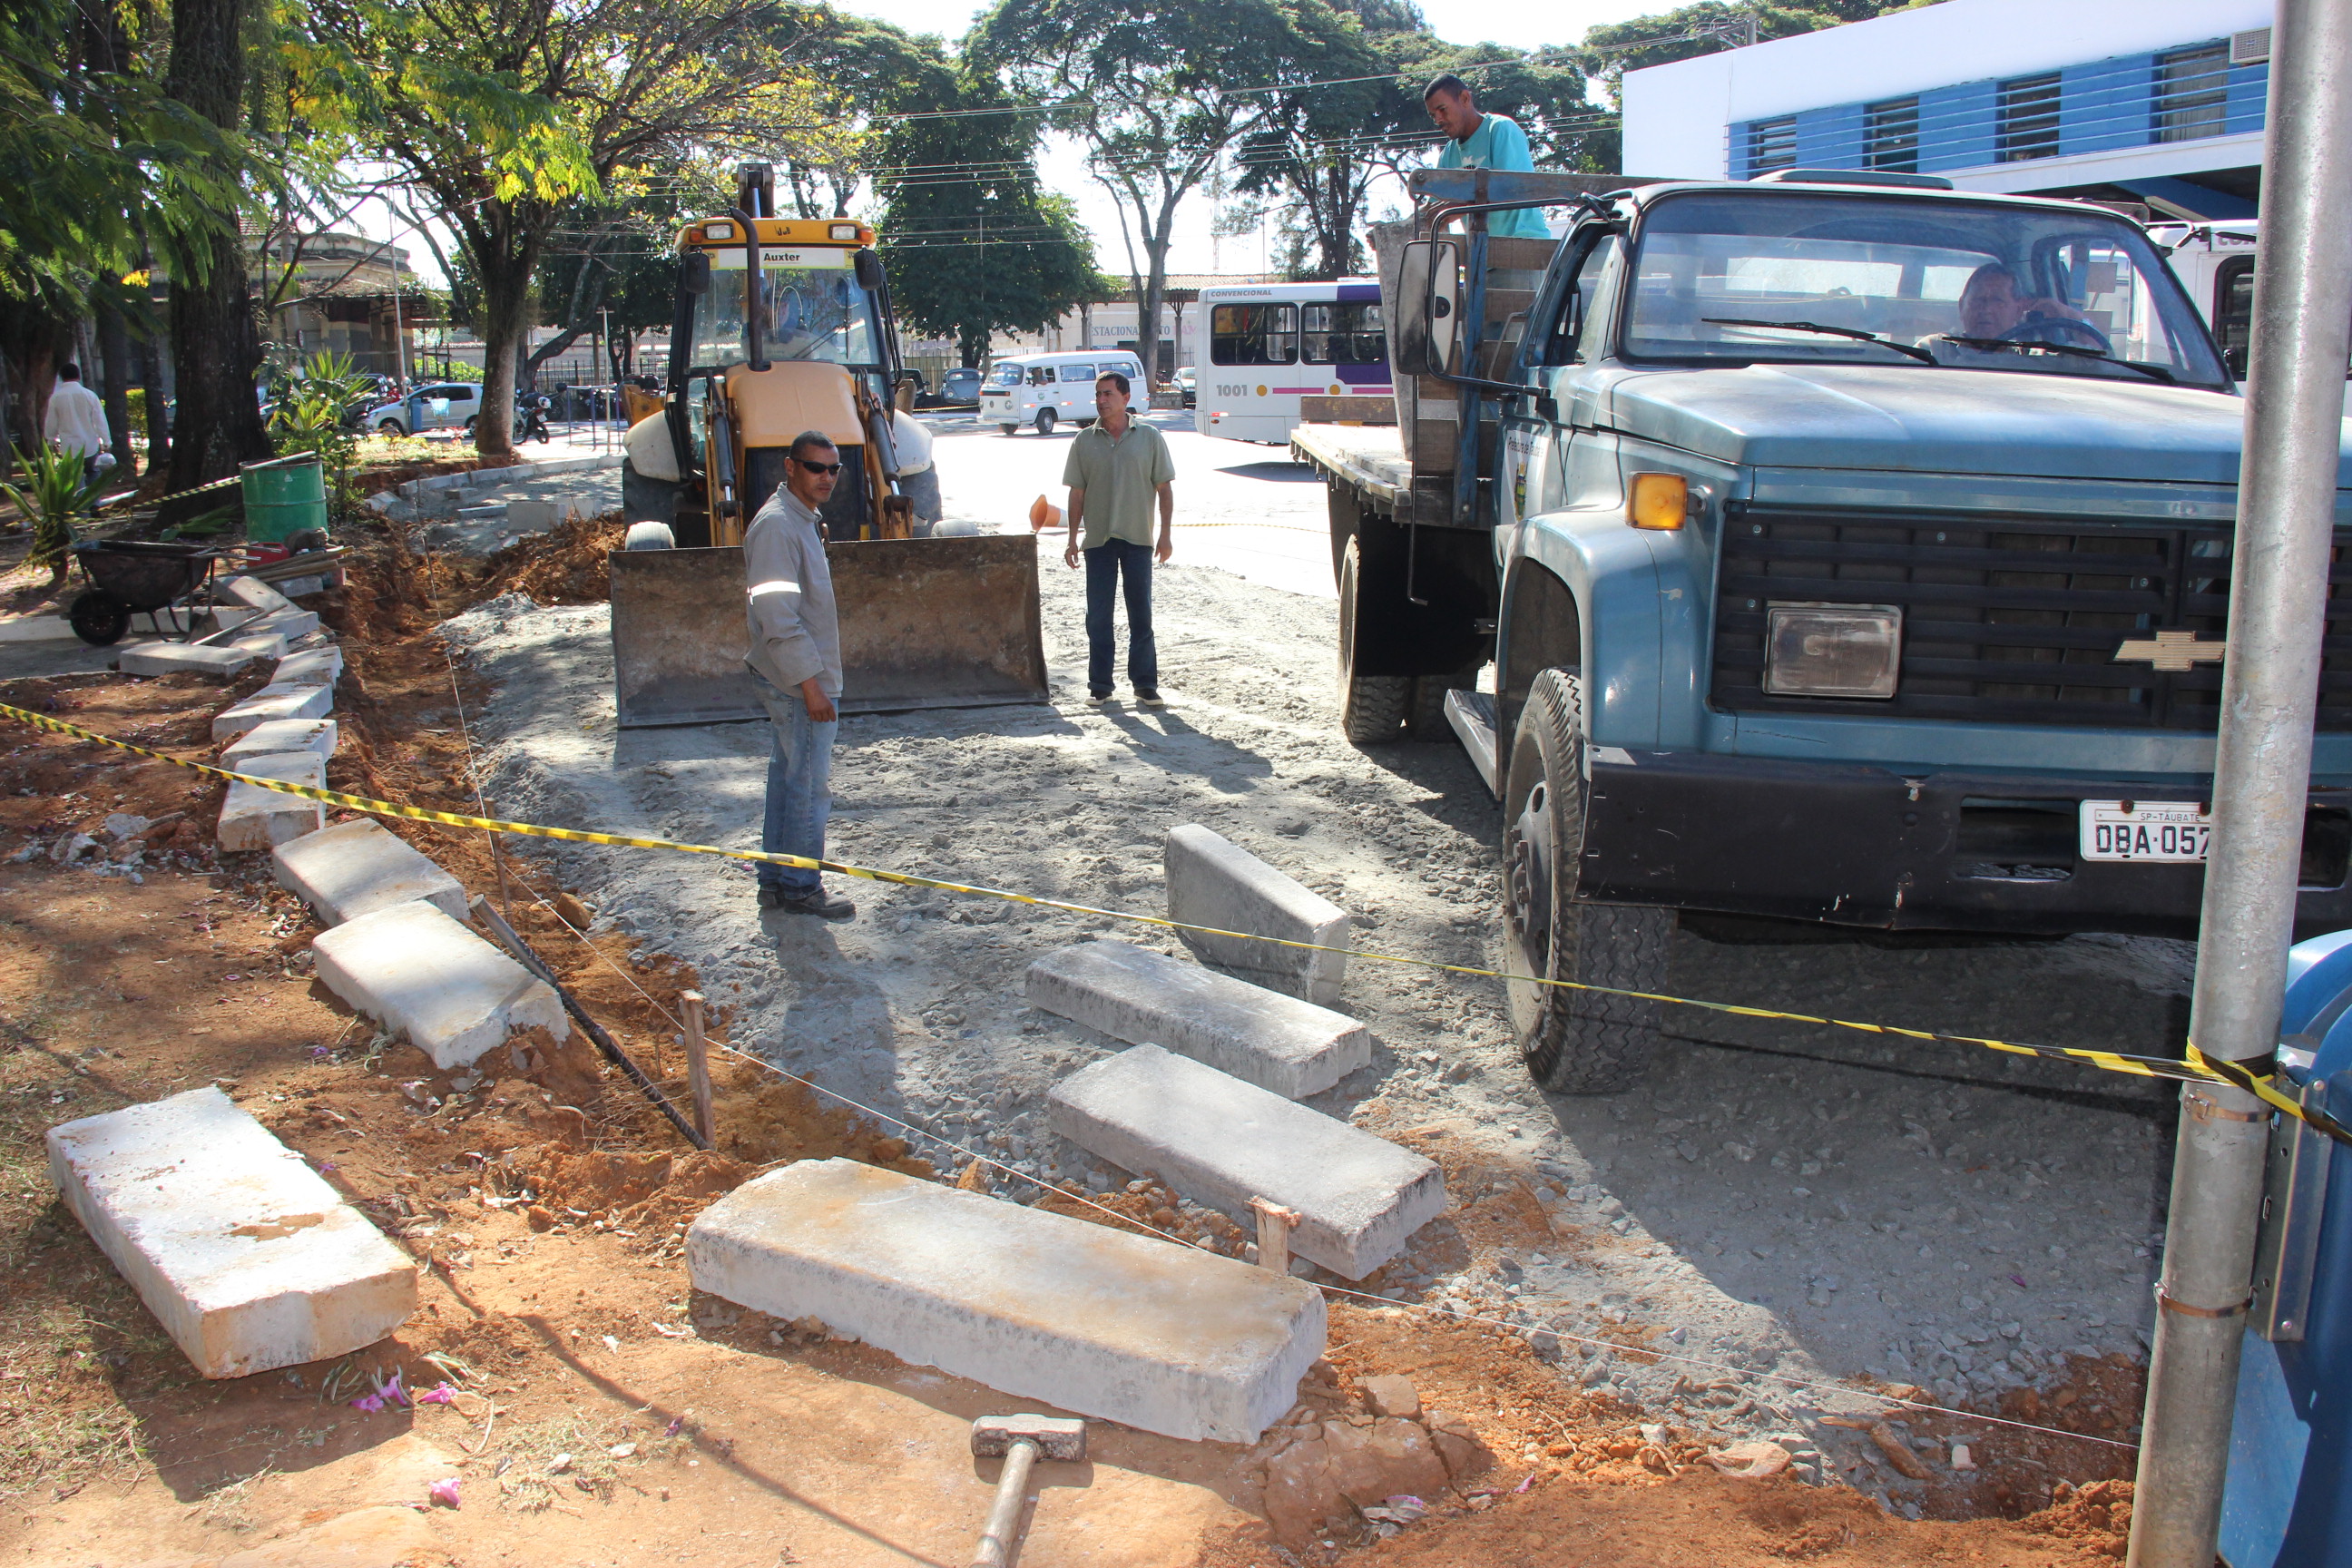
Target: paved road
{"x":1266,"y":511}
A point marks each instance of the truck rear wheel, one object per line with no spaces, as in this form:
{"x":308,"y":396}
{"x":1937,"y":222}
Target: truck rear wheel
{"x":1373,"y":708}
{"x":1573,"y":1042}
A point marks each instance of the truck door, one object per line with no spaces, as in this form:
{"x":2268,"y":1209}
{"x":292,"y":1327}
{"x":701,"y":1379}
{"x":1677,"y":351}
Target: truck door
{"x":1567,"y":335}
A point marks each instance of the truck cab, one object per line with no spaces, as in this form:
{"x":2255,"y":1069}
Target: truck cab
{"x":1848,"y":550}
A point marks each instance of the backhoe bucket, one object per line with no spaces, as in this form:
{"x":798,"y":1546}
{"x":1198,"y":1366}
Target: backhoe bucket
{"x":925,"y":622}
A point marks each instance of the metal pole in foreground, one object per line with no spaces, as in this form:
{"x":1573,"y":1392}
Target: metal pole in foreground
{"x":2286,"y":505}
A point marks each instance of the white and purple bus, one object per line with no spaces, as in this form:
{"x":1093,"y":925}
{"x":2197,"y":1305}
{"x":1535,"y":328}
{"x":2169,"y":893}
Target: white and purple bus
{"x":1271,"y":345}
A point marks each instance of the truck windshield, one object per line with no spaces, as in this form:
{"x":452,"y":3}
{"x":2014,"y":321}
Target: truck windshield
{"x":814,"y":311}
{"x":1804,"y":278}
{"x":1009,"y":373}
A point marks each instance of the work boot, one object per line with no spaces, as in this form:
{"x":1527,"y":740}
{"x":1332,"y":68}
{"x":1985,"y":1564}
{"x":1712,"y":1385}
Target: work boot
{"x":1149,"y":695}
{"x":820,"y":904}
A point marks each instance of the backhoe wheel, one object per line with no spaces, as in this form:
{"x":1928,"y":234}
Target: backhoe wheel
{"x":98,"y":618}
{"x":1371,"y":707}
{"x":1574,"y":1042}
{"x":1046,"y":421}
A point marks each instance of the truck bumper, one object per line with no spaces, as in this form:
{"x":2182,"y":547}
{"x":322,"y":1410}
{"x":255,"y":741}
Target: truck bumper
{"x":1939,"y":852}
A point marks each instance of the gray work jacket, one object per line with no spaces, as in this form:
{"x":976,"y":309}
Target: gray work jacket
{"x":789,"y":603}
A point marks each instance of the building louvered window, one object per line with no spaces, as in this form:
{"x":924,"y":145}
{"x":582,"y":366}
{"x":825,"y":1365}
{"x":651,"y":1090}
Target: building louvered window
{"x":1890,"y":136}
{"x":2192,"y":92}
{"x":2029,"y":118}
{"x":1773,"y":144}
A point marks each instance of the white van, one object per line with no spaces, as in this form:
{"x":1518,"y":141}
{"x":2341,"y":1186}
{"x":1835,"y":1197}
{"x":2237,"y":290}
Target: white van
{"x":1041,"y":390}
{"x":2215,"y":262}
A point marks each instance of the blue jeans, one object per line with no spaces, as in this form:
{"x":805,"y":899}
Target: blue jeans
{"x":1105,"y":564}
{"x":800,"y":770}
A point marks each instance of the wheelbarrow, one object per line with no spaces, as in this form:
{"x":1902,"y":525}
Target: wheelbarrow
{"x":133,"y":577}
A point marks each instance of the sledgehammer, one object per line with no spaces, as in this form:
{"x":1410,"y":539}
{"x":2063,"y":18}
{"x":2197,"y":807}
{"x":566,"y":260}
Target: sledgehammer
{"x":1022,"y":1440}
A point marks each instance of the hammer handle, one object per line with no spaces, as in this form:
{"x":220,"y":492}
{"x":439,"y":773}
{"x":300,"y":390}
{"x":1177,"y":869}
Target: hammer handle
{"x":1005,"y":1516}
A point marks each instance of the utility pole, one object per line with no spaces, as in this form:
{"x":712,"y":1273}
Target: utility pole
{"x":2278,"y":590}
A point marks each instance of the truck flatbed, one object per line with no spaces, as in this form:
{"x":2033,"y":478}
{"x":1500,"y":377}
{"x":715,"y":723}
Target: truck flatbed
{"x":1369,"y":457}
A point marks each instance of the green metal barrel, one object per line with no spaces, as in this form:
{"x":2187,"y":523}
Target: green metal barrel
{"x":283,"y":497}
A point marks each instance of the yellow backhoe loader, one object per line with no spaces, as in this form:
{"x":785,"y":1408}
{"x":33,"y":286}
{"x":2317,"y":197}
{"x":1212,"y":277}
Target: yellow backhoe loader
{"x":783,"y":325}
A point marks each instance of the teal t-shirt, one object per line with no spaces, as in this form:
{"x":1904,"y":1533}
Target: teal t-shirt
{"x":1498,"y":143}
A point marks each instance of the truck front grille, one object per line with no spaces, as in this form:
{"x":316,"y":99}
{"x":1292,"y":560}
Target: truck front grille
{"x":2005,"y":619}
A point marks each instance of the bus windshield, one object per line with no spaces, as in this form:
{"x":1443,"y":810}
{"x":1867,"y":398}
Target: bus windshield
{"x":1935,"y":283}
{"x":814,"y":309}
{"x":1008,"y":373}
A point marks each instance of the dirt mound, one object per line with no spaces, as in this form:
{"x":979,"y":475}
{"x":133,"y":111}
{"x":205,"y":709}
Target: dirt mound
{"x":766,"y":1120}
{"x":632,"y":1191}
{"x":565,"y":565}
{"x":2098,"y":1517}
{"x":1148,"y":1205}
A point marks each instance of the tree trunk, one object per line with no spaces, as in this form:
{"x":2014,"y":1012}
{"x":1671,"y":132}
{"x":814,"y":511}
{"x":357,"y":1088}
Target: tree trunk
{"x":504,"y":300}
{"x":214,"y":342}
{"x":114,"y":362}
{"x":159,"y":405}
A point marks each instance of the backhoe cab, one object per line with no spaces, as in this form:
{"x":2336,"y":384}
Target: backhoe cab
{"x":783,"y":325}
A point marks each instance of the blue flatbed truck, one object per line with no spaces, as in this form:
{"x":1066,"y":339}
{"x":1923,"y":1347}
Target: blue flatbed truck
{"x":1848,"y":550}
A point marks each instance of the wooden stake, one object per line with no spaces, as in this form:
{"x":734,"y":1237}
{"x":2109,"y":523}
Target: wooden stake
{"x":1274,"y":1227}
{"x":698,"y":1061}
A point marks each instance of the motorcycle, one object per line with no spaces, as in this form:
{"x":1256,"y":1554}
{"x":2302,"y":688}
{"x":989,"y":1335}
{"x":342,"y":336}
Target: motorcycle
{"x":530,"y":417}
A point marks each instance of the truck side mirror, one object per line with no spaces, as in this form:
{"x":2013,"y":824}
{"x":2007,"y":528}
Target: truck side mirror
{"x":869,"y":270}
{"x":696,"y":277}
{"x":1428,"y":317}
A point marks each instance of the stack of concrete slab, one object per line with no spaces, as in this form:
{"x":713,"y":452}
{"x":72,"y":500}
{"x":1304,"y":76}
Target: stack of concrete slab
{"x":1215,"y":882}
{"x":355,"y":869}
{"x":1169,"y":1339}
{"x":421,"y":974}
{"x":245,"y":1255}
{"x":1220,"y":1141}
{"x":255,"y":817}
{"x":1280,"y":1044}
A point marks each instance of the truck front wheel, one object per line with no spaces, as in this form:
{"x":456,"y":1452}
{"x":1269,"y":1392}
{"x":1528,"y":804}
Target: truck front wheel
{"x":1373,"y":708}
{"x":1574,"y":1042}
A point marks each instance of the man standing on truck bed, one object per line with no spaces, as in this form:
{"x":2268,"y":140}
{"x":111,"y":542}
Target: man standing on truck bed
{"x":1114,"y":471}
{"x":1483,"y":142}
{"x":795,"y":661}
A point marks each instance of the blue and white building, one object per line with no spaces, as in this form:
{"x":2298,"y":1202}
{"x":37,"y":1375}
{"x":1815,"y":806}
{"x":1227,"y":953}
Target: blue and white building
{"x":2154,"y":101}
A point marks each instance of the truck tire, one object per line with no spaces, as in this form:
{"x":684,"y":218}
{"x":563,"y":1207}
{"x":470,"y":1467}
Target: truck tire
{"x":1573,"y":1042}
{"x":1045,"y":421}
{"x":1427,"y":720}
{"x":1371,"y":707}
{"x":1006,"y":429}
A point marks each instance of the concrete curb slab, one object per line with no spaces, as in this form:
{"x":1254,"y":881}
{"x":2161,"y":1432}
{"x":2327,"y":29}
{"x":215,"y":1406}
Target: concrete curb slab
{"x":1212,"y":881}
{"x":280,"y":735}
{"x":183,"y":658}
{"x":248,"y":1259}
{"x":1290,"y":1047}
{"x":418,"y":973}
{"x":255,"y":594}
{"x":314,"y":666}
{"x":355,"y":869}
{"x":1109,"y":1324}
{"x":291,"y":700}
{"x":253,"y":817}
{"x":1221,"y":1141}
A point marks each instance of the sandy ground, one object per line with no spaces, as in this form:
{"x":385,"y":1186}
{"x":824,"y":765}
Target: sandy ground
{"x":1775,"y":1200}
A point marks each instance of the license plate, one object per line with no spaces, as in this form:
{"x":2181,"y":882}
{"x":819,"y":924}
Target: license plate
{"x":2171,"y":831}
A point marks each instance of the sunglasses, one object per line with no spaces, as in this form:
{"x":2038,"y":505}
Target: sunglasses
{"x":818,"y":468}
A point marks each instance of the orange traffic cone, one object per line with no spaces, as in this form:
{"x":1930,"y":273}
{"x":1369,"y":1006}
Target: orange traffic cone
{"x":1043,"y":514}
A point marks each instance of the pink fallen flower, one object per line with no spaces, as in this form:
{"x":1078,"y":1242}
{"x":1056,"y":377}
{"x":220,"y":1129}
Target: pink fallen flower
{"x":440,"y":1393}
{"x":444,"y":1492}
{"x":369,"y":1401}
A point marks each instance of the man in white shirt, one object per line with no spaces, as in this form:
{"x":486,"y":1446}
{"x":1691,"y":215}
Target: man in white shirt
{"x":77,"y":419}
{"x":918,"y":480}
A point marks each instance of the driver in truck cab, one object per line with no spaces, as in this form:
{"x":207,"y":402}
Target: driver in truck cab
{"x":1993,"y":305}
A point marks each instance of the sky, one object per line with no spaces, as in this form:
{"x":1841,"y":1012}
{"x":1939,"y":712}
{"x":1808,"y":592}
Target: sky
{"x":1063,"y":167}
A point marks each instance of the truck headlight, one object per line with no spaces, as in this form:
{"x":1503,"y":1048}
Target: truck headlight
{"x":1832,"y":650}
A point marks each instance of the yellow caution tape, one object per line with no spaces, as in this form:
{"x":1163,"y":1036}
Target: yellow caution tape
{"x":2198,"y":1068}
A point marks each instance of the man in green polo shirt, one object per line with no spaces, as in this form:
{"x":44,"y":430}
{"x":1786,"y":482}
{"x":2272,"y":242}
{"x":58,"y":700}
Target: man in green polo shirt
{"x":1116,"y":468}
{"x":1478,"y":141}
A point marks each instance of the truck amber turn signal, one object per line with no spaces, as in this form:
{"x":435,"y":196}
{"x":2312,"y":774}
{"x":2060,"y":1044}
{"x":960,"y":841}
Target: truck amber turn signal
{"x":1658,"y":500}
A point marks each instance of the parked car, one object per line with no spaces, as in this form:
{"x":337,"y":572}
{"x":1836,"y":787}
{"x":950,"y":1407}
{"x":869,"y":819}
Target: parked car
{"x":446,"y":405}
{"x":1041,"y":390}
{"x":959,"y":386}
{"x":1184,"y":383}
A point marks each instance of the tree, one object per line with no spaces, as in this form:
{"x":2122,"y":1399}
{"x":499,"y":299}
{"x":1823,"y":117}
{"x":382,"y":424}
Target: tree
{"x":216,"y":343}
{"x":96,"y":161}
{"x":501,"y":113}
{"x":974,"y":247}
{"x":612,"y":264}
{"x":1158,"y":90}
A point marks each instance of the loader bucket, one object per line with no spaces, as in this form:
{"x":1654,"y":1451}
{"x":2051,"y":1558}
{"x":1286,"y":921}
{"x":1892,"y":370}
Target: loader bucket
{"x":925,"y":622}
